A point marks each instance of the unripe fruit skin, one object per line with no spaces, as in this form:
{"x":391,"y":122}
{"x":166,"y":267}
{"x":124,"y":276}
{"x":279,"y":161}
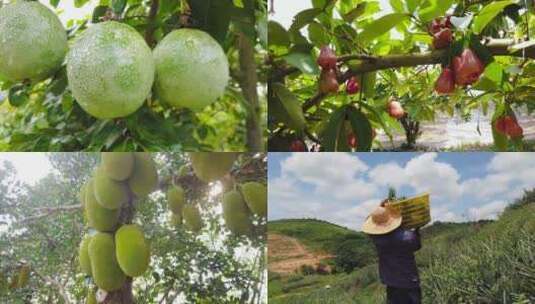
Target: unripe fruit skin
{"x":144,"y":178}
{"x":192,"y":70}
{"x":110,"y":70}
{"x":33,"y":42}
{"x":98,"y":217}
{"x":446,"y":82}
{"x":105,"y":270}
{"x":24,"y":275}
{"x":236,"y":213}
{"x":83,"y":255}
{"x":118,"y":165}
{"x":175,"y":219}
{"x":467,"y":68}
{"x":91,"y":298}
{"x":109,"y":193}
{"x":211,"y":166}
{"x":175,"y":199}
{"x":132,"y":250}
{"x":192,"y":218}
{"x":255,"y":195}
{"x":327,"y":58}
{"x":328,"y":82}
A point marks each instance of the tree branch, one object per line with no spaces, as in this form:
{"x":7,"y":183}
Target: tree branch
{"x":497,"y":47}
{"x":248,"y":80}
{"x":55,"y":283}
{"x":151,"y":28}
{"x":46,"y":211}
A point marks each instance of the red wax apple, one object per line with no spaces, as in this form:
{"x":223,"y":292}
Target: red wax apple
{"x":327,"y":58}
{"x":328,"y":82}
{"x":446,"y":82}
{"x":352,"y":86}
{"x":467,"y":68}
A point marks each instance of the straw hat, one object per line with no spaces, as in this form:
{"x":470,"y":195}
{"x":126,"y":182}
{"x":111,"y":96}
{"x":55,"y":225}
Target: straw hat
{"x":382,"y":220}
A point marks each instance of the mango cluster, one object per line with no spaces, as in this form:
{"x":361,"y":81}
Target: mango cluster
{"x":115,"y":251}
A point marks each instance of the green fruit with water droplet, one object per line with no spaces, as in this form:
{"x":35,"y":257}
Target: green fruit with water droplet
{"x":33,"y":42}
{"x":110,"y":70}
{"x":192,"y":70}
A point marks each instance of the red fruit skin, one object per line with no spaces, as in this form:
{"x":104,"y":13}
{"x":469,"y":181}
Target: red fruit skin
{"x":446,"y":82}
{"x":467,"y":68}
{"x":512,"y":128}
{"x":395,"y":110}
{"x":328,"y":82}
{"x":352,"y":86}
{"x":500,"y":125}
{"x":440,"y":23}
{"x":442,"y":38}
{"x":516,"y":131}
{"x":298,"y":146}
{"x":352,"y":140}
{"x":327,"y":58}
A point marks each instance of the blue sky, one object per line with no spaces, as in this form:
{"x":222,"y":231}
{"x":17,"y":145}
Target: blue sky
{"x":343,"y":187}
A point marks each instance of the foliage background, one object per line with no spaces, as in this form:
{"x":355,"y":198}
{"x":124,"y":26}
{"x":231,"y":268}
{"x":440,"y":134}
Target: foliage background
{"x":36,"y":228}
{"x":44,"y":117}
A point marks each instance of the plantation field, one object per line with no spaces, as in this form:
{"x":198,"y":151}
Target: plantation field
{"x":476,"y":262}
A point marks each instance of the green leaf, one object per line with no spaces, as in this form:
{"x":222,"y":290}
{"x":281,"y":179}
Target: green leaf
{"x":331,"y":134}
{"x":397,"y":5}
{"x":318,"y":34}
{"x":500,"y":140}
{"x":361,"y":128}
{"x":80,"y":3}
{"x":304,"y":17}
{"x":118,"y":6}
{"x":54,"y":3}
{"x":291,"y":104}
{"x":303,"y":62}
{"x":355,"y":13}
{"x":368,"y":84}
{"x":277,"y":35}
{"x":18,"y":96}
{"x":213,"y":16}
{"x":412,"y":5}
{"x":435,"y":8}
{"x":98,"y":12}
{"x":381,"y":26}
{"x":488,"y":13}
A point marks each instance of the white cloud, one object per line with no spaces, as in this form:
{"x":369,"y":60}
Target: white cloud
{"x":428,"y":175}
{"x":389,"y":174}
{"x":488,"y":211}
{"x":335,"y":174}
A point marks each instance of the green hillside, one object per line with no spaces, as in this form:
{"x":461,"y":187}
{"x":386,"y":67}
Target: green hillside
{"x":316,"y":234}
{"x":479,"y":262}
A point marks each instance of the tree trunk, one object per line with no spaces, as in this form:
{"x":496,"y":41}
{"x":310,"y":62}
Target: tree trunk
{"x":248,"y":84}
{"x":124,"y":295}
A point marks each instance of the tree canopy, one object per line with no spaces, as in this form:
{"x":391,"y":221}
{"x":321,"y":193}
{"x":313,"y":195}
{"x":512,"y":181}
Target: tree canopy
{"x":41,"y":226}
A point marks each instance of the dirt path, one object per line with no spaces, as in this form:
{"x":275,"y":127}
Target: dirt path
{"x":287,"y":254}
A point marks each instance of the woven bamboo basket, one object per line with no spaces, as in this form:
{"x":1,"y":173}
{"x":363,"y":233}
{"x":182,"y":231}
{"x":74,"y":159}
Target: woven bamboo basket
{"x":415,"y":211}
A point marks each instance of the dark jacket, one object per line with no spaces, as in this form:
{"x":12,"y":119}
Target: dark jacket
{"x":397,"y":266}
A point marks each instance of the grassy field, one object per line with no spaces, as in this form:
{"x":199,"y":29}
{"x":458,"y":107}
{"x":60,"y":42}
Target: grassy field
{"x":483,"y":262}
